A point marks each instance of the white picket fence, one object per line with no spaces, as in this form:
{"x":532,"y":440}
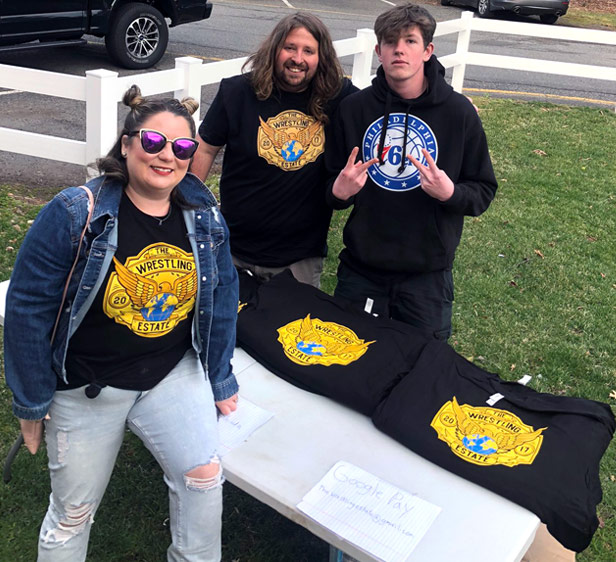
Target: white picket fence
{"x":103,"y":89}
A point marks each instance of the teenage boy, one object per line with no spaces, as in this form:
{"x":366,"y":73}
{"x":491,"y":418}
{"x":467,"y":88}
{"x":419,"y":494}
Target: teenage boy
{"x":424,"y":165}
{"x":274,"y":122}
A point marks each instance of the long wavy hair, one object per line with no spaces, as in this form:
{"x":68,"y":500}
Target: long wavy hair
{"x":327,"y":80}
{"x":113,"y":165}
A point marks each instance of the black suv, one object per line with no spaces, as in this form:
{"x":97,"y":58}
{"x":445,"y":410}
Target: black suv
{"x":135,"y":32}
{"x":547,"y":10}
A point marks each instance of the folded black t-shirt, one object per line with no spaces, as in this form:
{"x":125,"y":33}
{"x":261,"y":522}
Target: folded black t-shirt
{"x":319,"y":344}
{"x":539,"y":450}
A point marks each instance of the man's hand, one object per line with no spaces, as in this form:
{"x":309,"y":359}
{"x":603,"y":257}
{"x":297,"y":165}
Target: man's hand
{"x":352,"y":177}
{"x":227,"y":406}
{"x":32,"y":431}
{"x":434,"y":181}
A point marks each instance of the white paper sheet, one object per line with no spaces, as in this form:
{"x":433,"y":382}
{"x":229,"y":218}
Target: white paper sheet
{"x":374,"y":515}
{"x":235,"y":428}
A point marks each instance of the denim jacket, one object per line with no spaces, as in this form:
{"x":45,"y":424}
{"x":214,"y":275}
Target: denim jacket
{"x":32,"y":365}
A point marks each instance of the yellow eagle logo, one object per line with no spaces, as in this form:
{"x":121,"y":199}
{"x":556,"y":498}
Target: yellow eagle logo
{"x":487,"y":436}
{"x":310,"y":341}
{"x":145,"y":294}
{"x":153,"y":291}
{"x":290,"y":140}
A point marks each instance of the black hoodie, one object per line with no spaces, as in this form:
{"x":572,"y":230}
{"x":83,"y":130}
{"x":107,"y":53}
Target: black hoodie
{"x":395,"y":227}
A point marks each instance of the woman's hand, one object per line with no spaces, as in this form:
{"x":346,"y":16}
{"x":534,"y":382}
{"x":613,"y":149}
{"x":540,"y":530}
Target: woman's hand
{"x":227,"y":406}
{"x":32,"y":431}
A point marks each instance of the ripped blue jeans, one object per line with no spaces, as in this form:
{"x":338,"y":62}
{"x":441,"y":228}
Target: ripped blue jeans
{"x":176,"y":420}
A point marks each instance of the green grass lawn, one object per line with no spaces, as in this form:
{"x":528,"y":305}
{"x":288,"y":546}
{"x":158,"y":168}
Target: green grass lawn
{"x":581,"y":17}
{"x":535,"y":293}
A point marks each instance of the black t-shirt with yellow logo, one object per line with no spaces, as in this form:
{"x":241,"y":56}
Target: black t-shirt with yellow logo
{"x":539,"y":450}
{"x":319,"y":344}
{"x":272,"y":187}
{"x":139,"y":324}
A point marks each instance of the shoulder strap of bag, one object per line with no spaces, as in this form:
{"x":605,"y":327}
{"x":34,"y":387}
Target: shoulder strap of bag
{"x":6,"y":474}
{"x":70,"y":273}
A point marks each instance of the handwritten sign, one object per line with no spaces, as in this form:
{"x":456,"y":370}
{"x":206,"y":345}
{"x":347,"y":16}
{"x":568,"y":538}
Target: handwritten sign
{"x":376,"y":516}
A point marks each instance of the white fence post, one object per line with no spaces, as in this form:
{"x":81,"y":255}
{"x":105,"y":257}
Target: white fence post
{"x":362,"y":61}
{"x":464,"y":41}
{"x":101,"y":114}
{"x":189,"y":66}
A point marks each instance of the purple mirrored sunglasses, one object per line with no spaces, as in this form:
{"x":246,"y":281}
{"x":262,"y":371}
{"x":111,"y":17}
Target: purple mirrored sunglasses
{"x":153,"y":142}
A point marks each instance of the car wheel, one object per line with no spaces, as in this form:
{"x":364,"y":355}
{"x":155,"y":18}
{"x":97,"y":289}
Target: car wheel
{"x":483,"y":8}
{"x":548,"y":18}
{"x":445,"y":2}
{"x":137,"y":37}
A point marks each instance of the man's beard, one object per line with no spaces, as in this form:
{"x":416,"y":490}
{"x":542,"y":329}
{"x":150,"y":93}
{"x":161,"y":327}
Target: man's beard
{"x":286,"y":82}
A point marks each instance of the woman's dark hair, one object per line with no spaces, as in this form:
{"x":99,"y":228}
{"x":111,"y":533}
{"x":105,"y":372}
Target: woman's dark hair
{"x":327,"y":81}
{"x":141,"y":109}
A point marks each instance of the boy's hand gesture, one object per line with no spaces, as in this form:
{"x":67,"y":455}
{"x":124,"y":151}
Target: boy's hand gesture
{"x":434,"y":181}
{"x":352,"y":177}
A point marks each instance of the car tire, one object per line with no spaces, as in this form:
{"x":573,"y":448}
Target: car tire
{"x":445,"y":2}
{"x":138,"y":36}
{"x":548,"y":18}
{"x":483,"y":9}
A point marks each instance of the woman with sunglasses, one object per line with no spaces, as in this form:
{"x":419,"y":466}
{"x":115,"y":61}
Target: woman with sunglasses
{"x":143,"y":338}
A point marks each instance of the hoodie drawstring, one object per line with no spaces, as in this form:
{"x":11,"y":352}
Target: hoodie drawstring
{"x":406,"y":130}
{"x":381,"y":146}
{"x":384,"y":128}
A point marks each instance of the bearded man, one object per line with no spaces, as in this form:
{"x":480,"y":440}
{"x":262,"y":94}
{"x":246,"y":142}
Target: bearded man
{"x":274,"y":121}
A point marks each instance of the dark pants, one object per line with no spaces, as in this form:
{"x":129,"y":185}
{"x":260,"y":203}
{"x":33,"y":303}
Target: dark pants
{"x":423,"y":300}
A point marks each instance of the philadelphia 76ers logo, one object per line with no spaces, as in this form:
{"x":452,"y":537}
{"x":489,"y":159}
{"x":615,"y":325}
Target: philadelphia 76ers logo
{"x":389,"y":175}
